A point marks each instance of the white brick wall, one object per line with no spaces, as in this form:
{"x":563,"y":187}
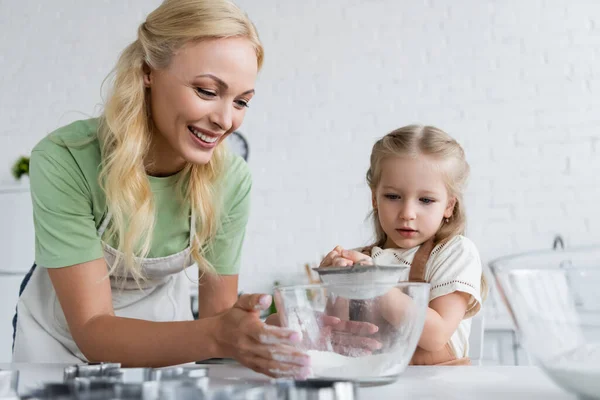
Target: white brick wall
{"x":515,"y":81}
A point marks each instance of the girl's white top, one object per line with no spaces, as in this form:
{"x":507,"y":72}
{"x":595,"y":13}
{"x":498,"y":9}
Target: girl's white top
{"x":453,"y":266}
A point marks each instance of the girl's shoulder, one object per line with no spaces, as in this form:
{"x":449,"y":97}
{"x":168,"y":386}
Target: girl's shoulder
{"x":458,"y":244}
{"x":456,"y":257}
{"x":456,"y":266}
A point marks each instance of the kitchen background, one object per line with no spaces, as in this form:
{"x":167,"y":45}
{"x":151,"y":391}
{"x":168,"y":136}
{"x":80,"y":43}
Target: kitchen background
{"x":515,"y":82}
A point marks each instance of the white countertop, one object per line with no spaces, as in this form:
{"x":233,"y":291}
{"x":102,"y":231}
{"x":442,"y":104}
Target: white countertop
{"x":464,"y":383}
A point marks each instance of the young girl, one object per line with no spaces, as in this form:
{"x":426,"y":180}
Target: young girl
{"x":417,"y":177}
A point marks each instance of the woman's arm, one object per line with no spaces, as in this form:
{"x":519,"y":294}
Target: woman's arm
{"x":216,"y":293}
{"x":85,"y":296}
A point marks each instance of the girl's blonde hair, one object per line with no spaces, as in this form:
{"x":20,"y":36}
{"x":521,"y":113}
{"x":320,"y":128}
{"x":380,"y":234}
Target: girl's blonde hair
{"x":415,"y":140}
{"x":126,"y":126}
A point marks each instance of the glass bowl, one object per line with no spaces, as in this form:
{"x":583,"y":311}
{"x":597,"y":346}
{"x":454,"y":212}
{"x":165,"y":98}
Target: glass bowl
{"x":553,"y":298}
{"x":362,"y":332}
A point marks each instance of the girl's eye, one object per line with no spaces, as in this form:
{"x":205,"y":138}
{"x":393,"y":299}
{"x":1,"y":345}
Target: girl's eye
{"x":391,"y":196}
{"x":427,"y":201}
{"x":206,"y":93}
{"x":242,"y":103}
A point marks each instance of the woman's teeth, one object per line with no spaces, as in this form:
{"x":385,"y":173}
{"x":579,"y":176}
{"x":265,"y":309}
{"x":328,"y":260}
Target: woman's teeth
{"x":203,"y":137}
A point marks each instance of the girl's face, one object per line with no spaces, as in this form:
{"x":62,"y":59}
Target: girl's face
{"x":411,"y":200}
{"x":199,"y":99}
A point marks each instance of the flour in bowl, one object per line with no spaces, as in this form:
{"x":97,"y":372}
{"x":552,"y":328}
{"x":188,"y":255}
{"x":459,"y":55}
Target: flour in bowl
{"x":328,"y":364}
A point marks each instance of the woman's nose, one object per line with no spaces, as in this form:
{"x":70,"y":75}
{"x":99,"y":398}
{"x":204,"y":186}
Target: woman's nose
{"x":222,"y":116}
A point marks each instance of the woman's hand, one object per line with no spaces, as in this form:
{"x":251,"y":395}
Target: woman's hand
{"x":266,"y":349}
{"x":339,"y":257}
{"x":273,"y":319}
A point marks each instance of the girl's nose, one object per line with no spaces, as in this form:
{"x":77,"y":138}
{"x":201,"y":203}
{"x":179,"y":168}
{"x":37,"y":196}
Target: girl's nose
{"x":408,"y":212}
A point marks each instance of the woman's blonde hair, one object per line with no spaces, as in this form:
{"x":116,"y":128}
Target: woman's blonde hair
{"x":126,"y":126}
{"x":415,"y":140}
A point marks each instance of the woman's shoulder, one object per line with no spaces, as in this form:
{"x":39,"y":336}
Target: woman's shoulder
{"x":69,"y":153}
{"x":75,"y":144}
{"x":236,"y":166}
{"x":237,"y":171}
{"x":77,"y":134}
{"x":237,"y":179}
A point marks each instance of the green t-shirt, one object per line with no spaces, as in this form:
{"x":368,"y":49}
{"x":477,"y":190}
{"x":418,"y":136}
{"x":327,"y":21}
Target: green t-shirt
{"x":69,"y":205}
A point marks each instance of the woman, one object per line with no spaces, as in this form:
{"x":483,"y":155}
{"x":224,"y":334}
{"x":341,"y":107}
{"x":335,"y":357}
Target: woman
{"x":124,"y":203}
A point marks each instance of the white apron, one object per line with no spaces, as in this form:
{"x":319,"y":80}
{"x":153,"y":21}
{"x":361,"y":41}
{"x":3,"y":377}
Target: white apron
{"x":42,"y":333}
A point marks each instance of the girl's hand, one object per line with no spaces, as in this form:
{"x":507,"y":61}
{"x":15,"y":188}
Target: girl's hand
{"x":267,"y":349}
{"x":339,"y":257}
{"x":344,"y":337}
{"x":350,"y":338}
{"x":336,"y":324}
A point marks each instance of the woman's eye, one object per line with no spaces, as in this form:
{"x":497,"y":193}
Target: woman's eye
{"x":205,"y":92}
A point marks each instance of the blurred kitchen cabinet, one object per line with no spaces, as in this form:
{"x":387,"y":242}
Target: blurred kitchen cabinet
{"x":17,"y":238}
{"x":17,"y":243}
{"x":501,"y":345}
{"x":499,"y":348}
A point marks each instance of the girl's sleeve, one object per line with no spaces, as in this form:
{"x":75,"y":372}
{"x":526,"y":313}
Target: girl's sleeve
{"x":455,"y":266}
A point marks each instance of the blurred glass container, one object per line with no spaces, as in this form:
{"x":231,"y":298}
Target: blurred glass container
{"x":9,"y":382}
{"x":553,"y":298}
{"x":337,"y":320}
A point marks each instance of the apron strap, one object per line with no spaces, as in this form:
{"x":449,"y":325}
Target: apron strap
{"x":192,"y":226}
{"x":367,"y":250}
{"x":417,"y":268}
{"x":104,"y":224}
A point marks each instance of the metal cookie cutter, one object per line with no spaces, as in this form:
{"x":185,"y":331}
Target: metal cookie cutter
{"x":246,"y":391}
{"x":91,"y":370}
{"x":114,"y":372}
{"x":112,"y":381}
{"x":88,"y":390}
{"x":317,"y":389}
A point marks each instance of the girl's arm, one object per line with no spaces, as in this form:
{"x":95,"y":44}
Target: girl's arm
{"x":446,"y":310}
{"x":444,"y":314}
